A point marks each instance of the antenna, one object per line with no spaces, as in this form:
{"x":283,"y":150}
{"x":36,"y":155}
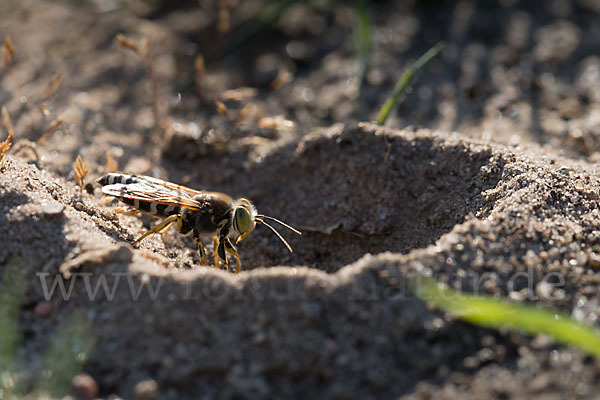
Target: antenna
{"x":260,"y":219}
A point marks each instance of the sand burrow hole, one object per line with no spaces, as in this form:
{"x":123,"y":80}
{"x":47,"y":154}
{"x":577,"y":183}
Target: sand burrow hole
{"x":354,"y":191}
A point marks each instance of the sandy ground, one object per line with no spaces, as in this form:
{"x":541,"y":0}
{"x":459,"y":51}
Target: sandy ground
{"x":492,"y":189}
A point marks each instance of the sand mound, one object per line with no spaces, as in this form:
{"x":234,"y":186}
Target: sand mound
{"x":478,"y":211}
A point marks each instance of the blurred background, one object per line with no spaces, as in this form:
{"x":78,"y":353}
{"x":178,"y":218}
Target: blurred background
{"x":515,"y":72}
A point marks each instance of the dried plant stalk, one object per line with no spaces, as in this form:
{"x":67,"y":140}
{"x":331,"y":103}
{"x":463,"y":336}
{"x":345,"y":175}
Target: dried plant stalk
{"x":283,"y":78}
{"x":224,"y":16}
{"x":8,"y":124}
{"x":54,"y":84}
{"x":52,"y":128}
{"x":247,"y":110}
{"x":4,"y":147}
{"x":128,"y":43}
{"x":142,"y":50}
{"x":81,"y":171}
{"x":200,"y":68}
{"x":222,"y":108}
{"x":278,"y":122}
{"x":8,"y":51}
{"x":239,"y":94}
{"x":111,"y":164}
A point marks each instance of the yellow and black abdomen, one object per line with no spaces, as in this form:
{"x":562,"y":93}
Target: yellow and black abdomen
{"x":160,"y":210}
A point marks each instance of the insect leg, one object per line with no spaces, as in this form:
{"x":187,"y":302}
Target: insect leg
{"x":201,"y":249}
{"x":215,"y":250}
{"x":219,"y":251}
{"x":166,"y":222}
{"x":222,"y":254}
{"x":231,"y":250}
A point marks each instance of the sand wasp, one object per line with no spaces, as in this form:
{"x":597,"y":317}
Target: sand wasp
{"x":203,"y":213}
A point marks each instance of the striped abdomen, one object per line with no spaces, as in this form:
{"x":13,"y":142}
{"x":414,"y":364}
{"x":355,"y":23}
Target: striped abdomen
{"x":114,"y":178}
{"x":161,"y":210}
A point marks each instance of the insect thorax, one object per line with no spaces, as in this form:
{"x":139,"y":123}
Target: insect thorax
{"x":214,"y":214}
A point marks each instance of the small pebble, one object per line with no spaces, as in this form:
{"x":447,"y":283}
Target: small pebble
{"x":594,"y":260}
{"x":52,"y":209}
{"x":84,"y":387}
{"x":43,"y":309}
{"x":146,"y":390}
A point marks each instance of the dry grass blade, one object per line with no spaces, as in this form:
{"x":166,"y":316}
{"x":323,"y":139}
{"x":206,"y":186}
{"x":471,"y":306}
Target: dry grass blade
{"x":8,"y":124}
{"x":54,"y":84}
{"x":52,"y":128}
{"x":128,"y":43}
{"x":247,"y":110}
{"x":278,"y":122}
{"x":4,"y":147}
{"x":8,"y":52}
{"x":239,"y":94}
{"x":81,"y":171}
{"x":283,"y":78}
{"x":222,"y":108}
{"x":143,"y":50}
{"x":54,"y":125}
{"x":200,"y":67}
{"x":224,"y":16}
{"x":111,"y":164}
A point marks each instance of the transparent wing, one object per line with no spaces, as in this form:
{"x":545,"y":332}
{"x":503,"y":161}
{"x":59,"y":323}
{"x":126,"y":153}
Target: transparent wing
{"x":170,"y":185}
{"x":153,"y":193}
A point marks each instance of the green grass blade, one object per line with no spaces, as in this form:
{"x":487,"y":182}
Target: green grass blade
{"x":362,"y":38}
{"x":405,"y":80}
{"x":68,"y":350}
{"x":262,"y":20}
{"x":11,"y":299}
{"x":492,"y":313}
{"x":14,"y":286}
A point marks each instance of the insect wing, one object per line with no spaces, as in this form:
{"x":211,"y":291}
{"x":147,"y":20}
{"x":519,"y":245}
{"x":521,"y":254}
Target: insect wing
{"x":170,"y":185}
{"x":151,"y":193}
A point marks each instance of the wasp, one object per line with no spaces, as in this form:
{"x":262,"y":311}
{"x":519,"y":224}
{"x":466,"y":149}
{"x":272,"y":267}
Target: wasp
{"x":201,"y":212}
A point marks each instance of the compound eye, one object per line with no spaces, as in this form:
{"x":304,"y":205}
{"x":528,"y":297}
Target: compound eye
{"x":243,"y":221}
